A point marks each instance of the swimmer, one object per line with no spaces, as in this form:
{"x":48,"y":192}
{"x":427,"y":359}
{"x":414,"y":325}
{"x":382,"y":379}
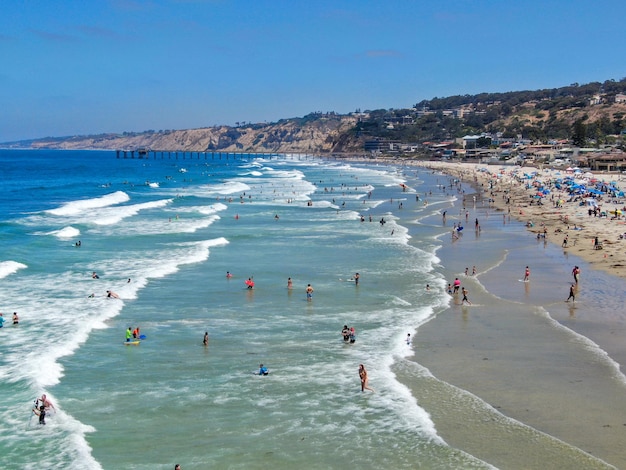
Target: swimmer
{"x":112,"y":294}
{"x":263,"y":370}
{"x":94,"y":275}
{"x":408,"y":338}
{"x":345,"y":332}
{"x":1,"y":321}
{"x":228,"y":275}
{"x":16,"y":319}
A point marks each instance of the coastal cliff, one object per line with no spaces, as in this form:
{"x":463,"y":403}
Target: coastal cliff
{"x":319,"y":134}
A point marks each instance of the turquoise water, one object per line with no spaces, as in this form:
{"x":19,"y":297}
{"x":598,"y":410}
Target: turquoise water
{"x":162,"y":233}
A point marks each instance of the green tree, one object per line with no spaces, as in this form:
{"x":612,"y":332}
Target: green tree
{"x":579,"y":133}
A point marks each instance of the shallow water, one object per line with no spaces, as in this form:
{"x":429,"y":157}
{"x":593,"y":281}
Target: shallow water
{"x":171,"y":399}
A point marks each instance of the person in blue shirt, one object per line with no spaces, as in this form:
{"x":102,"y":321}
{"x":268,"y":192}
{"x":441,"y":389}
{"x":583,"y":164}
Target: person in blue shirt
{"x":1,"y":321}
{"x":263,"y":370}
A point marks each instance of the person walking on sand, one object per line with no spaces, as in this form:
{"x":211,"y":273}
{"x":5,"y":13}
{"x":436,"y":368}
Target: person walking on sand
{"x":364,"y":379}
{"x":527,"y":274}
{"x":572,"y":294}
{"x":309,"y":292}
{"x":465,"y":299}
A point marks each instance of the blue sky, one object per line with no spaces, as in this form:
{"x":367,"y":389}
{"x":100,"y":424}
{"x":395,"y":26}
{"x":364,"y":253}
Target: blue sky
{"x":83,"y":67}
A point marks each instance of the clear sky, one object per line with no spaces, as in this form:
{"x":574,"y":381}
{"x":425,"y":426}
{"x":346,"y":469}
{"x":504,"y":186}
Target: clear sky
{"x":93,"y":66}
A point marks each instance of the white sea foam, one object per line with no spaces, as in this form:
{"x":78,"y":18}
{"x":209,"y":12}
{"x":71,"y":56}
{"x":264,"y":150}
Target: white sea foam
{"x":75,"y":207}
{"x":10,"y":267}
{"x":65,"y":232}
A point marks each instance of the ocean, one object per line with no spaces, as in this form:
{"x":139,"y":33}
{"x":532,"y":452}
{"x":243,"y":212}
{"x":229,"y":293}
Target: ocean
{"x":162,"y":233}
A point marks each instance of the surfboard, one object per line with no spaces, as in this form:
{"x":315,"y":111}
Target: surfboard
{"x":142,"y":336}
{"x":133,"y":343}
{"x":522,"y":280}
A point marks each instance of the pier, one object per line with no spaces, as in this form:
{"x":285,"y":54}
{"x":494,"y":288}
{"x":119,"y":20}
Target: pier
{"x":202,"y":155}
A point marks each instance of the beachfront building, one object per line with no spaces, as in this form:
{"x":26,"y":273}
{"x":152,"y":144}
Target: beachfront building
{"x":614,"y":161}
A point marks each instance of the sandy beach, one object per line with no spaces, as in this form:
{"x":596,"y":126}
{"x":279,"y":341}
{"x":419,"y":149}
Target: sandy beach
{"x":560,"y":215}
{"x":516,"y":347}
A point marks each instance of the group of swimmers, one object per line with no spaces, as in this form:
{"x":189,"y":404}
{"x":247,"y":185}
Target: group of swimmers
{"x":349,"y":334}
{"x":16,"y":319}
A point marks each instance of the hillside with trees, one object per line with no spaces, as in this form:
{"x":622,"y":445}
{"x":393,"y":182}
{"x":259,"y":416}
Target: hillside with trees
{"x":592,"y":114}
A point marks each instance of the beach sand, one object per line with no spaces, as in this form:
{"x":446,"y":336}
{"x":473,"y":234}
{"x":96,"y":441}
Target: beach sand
{"x":569,"y":220}
{"x":534,"y":358}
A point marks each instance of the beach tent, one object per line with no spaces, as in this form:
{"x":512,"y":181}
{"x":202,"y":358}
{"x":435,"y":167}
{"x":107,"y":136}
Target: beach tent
{"x":591,"y":202}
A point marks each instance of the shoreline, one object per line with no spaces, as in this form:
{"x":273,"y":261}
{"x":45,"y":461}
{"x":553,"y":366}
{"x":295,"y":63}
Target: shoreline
{"x":546,"y":372}
{"x":549,"y":389}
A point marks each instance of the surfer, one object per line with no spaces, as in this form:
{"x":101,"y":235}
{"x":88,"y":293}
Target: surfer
{"x":364,"y":379}
{"x":41,"y":412}
{"x":16,"y":319}
{"x":527,"y":274}
{"x":205,"y":341}
{"x":129,"y":334}
{"x":309,"y":292}
{"x":263,"y":370}
{"x":111,"y":294}
{"x":45,"y":402}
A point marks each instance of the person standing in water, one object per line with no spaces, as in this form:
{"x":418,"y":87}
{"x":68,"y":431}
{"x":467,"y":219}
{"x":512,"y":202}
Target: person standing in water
{"x":205,"y":340}
{"x":356,"y":279}
{"x":364,"y":379}
{"x":41,"y":412}
{"x":309,"y":292}
{"x":465,"y":299}
{"x":527,"y":274}
{"x":572,"y":294}
{"x":289,"y":283}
